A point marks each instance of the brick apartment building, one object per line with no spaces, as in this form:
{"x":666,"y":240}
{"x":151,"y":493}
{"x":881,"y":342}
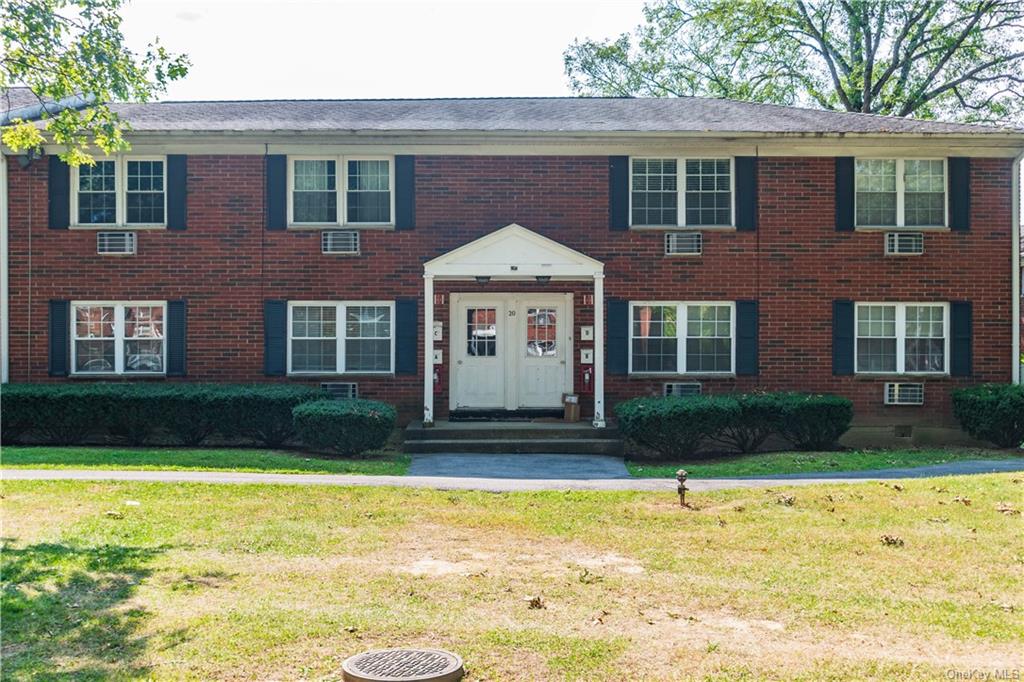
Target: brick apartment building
{"x":493,"y":254}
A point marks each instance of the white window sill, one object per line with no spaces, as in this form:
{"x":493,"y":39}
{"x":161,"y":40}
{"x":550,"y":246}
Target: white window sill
{"x":682,"y":228}
{"x":122,"y":375}
{"x":116,"y":228}
{"x":319,"y":227}
{"x":895,"y":228}
{"x":336,"y":375}
{"x":902,"y":375}
{"x":686,"y":375}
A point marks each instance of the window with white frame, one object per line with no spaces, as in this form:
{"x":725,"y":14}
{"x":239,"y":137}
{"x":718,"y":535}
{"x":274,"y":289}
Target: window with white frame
{"x":118,"y":338}
{"x":340,"y":338}
{"x":681,"y":338}
{"x":361,"y":195}
{"x":123,"y":190}
{"x":898,"y":338}
{"x":900,"y":192}
{"x":703,"y":197}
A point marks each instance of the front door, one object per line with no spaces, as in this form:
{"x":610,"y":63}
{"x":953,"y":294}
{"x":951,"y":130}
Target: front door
{"x":510,"y":351}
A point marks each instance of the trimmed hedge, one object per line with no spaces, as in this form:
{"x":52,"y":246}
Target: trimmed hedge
{"x":677,"y":426}
{"x":348,"y":427}
{"x":187,"y":414}
{"x":992,"y":412}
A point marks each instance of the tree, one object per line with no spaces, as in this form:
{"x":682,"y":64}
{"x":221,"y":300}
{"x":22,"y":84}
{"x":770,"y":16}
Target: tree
{"x":957,"y":59}
{"x":64,"y":49}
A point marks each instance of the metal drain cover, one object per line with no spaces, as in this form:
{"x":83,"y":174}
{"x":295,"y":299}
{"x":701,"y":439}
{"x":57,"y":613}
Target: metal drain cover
{"x":403,"y":665}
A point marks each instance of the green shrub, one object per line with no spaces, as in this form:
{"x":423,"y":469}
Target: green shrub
{"x":264,"y":412}
{"x":55,"y":413}
{"x":813,"y":421}
{"x":348,"y":427}
{"x":992,"y":412}
{"x":675,"y":426}
{"x":757,"y":420}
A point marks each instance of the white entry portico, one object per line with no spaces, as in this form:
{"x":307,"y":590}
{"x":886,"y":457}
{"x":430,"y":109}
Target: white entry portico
{"x":541,"y":324}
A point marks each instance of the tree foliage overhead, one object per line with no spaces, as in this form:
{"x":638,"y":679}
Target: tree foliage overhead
{"x":63,"y":49}
{"x":956,"y":59}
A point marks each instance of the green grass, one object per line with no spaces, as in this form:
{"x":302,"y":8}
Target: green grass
{"x":809,"y":462}
{"x":200,"y":459}
{"x":118,"y":580}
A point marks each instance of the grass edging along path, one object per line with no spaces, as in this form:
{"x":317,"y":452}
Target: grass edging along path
{"x":768,"y":463}
{"x":202,"y":459}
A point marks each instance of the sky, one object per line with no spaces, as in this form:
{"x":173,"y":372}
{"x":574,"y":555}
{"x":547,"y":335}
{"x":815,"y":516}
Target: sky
{"x":268,"y":49}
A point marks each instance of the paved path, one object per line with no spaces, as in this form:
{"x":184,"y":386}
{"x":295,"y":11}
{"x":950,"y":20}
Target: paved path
{"x":557,"y":467}
{"x":508,"y":484}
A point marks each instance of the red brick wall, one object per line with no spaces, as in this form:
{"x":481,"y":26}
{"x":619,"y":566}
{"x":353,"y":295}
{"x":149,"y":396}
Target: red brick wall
{"x":225,"y":264}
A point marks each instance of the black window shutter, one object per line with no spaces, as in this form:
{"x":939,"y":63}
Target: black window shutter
{"x":406,"y":339}
{"x":177,"y":191}
{"x":405,"y":192}
{"x":618,"y":192}
{"x":959,"y":193}
{"x":176,"y":334}
{"x":746,"y":193}
{"x":842,"y":337}
{"x":277,"y":192}
{"x":617,"y":347}
{"x":60,"y":337}
{"x":961,"y":325}
{"x":746,"y":338}
{"x":59,"y":198}
{"x":844,"y":193}
{"x":275,"y":337}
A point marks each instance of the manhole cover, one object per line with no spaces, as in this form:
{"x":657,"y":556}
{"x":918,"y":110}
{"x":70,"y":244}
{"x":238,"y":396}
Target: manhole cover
{"x":403,"y":665}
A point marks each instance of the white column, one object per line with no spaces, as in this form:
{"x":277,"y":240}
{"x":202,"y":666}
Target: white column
{"x":428,"y":350}
{"x":599,"y":421}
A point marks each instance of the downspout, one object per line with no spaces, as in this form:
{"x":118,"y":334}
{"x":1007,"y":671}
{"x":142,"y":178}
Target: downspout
{"x":1016,"y":291}
{"x":6,"y":299}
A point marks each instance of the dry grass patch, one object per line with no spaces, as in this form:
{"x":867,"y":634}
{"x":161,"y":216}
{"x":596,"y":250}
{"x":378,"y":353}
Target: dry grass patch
{"x":243,"y":582}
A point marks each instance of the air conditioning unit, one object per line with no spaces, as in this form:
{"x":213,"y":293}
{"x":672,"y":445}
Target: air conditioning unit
{"x":904,"y":394}
{"x":339,"y":241}
{"x":904,"y":243}
{"x":683,"y":243}
{"x":683,"y":389}
{"x":341,"y":390}
{"x":115,"y":243}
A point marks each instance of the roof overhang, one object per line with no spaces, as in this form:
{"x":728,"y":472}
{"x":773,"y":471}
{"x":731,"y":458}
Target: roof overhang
{"x":513,"y":253}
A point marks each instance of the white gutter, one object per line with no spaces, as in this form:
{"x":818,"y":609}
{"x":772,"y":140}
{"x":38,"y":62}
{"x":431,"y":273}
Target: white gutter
{"x":1016,"y":291}
{"x":6,"y":299}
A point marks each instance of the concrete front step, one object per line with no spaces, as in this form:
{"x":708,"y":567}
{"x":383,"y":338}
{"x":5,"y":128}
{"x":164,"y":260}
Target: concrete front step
{"x":532,"y":445}
{"x":519,"y":432}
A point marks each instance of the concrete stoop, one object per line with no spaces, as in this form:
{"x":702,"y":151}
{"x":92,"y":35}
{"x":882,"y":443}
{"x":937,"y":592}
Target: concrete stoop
{"x":541,"y":437}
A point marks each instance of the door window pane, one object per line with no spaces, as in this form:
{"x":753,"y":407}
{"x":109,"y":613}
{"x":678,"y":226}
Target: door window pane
{"x":97,"y":193}
{"x":654,"y":192}
{"x":314,"y":339}
{"x":315,"y":195}
{"x":708,"y":338}
{"x":368,"y":339}
{"x":708,"y":192}
{"x":541,"y":332}
{"x":875,"y":181}
{"x":144,"y":196}
{"x":655,"y":339}
{"x":482,"y":332}
{"x":369,"y":191}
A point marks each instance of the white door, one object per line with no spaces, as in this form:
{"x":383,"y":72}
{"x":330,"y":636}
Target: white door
{"x":541,"y":349}
{"x":510,"y":351}
{"x":479,"y":352}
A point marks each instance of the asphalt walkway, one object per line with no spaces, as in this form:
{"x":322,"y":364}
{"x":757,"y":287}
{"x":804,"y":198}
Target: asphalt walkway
{"x":466,"y":480}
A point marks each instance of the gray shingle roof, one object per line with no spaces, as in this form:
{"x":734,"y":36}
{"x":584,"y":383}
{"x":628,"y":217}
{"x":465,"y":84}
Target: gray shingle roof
{"x":530,"y":115}
{"x":16,"y":98}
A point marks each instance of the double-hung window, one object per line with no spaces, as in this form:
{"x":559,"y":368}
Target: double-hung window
{"x":902,"y":338}
{"x":900,"y":192}
{"x":118,"y":338}
{"x":341,"y":190}
{"x":682,"y":338}
{"x":681,"y":192}
{"x":341,"y":338}
{"x":125,"y":191}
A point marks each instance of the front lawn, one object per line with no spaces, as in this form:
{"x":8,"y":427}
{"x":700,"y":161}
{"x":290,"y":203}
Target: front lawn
{"x":200,"y":459}
{"x":763,"y":464}
{"x":113,"y":580}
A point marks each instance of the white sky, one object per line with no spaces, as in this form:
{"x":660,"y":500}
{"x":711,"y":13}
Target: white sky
{"x":265,"y":49}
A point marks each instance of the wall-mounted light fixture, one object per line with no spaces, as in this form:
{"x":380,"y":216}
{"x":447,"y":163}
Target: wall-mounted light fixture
{"x":482,"y":279}
{"x":543,"y":279}
{"x":28,"y":157}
